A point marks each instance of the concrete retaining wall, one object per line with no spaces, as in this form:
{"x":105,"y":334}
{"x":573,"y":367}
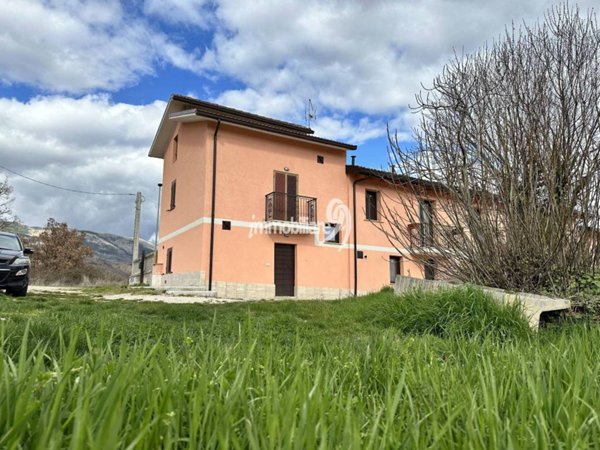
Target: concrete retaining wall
{"x":533,"y":305}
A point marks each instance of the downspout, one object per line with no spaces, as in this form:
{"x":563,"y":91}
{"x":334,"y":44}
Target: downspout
{"x":354,"y":183}
{"x":212,"y":209}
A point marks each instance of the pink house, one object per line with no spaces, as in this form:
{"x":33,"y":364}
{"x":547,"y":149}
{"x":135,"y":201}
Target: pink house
{"x":254,"y":207}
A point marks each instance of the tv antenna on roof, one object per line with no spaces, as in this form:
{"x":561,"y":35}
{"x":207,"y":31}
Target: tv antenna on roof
{"x":310,"y":113}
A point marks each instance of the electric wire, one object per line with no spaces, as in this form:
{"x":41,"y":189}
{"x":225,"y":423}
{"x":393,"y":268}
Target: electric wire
{"x":78,"y":191}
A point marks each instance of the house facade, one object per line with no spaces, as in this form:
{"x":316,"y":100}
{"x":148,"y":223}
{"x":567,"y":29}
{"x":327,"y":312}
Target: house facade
{"x":253,"y":207}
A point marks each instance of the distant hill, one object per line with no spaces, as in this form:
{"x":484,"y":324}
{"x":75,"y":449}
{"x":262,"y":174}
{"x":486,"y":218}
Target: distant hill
{"x":112,"y":253}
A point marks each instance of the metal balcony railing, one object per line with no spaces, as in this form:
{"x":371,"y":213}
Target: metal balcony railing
{"x":283,"y":207}
{"x":429,"y":235}
{"x":420,"y":235}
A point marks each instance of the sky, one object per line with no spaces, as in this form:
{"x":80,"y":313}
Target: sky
{"x":83,"y":84}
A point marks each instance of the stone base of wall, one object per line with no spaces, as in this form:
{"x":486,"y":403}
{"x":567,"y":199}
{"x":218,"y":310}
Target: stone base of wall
{"x":245,"y":291}
{"x":187,"y":279}
{"x":318,"y":293}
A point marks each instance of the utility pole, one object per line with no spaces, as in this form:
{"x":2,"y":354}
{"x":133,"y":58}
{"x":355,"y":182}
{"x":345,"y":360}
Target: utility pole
{"x":136,"y":231}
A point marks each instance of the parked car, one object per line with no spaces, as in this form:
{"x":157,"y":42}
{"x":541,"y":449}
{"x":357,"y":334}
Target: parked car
{"x":14,"y":265}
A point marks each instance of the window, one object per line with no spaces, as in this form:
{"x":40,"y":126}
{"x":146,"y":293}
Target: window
{"x":320,"y":159}
{"x":395,"y":268}
{"x":332,"y":233}
{"x":173,"y":194}
{"x":169,"y":265}
{"x":226,"y":225}
{"x":429,"y":269}
{"x":371,"y":205}
{"x":175,"y":148}
{"x":426,"y":217}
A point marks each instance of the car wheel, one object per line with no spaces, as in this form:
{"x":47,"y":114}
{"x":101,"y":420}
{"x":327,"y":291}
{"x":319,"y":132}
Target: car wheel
{"x":21,"y":292}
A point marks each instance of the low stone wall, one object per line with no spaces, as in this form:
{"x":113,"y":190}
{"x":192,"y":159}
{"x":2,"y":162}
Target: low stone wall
{"x":244,"y":291}
{"x":533,"y":305}
{"x":189,"y":279}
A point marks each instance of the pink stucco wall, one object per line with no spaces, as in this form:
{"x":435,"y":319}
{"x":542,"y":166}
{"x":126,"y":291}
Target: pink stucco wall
{"x":246,"y":161}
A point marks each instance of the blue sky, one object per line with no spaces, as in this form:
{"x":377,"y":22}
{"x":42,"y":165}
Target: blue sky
{"x":84,"y":83}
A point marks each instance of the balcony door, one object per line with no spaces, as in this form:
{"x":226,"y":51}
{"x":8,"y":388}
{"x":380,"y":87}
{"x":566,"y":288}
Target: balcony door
{"x":286,"y":191}
{"x":426,"y":217}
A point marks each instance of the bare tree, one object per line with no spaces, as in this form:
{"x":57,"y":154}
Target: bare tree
{"x":6,"y":217}
{"x":60,"y":254}
{"x":507,"y":162}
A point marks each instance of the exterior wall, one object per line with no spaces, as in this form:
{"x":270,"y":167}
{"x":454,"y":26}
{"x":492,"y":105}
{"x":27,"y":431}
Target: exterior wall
{"x":243,"y":265}
{"x":373,"y":269}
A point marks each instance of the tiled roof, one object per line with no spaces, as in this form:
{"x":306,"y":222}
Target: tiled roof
{"x":231,"y":115}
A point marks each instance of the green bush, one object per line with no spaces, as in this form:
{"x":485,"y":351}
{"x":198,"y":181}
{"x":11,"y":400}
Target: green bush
{"x":585,"y":294}
{"x":453,"y":312}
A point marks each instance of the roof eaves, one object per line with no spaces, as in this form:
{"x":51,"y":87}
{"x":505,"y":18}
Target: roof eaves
{"x":388,"y":176}
{"x":225,"y":110}
{"x":273,"y":129}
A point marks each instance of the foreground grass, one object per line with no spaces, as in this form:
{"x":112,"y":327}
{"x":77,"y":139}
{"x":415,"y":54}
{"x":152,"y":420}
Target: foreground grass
{"x":83,"y":374}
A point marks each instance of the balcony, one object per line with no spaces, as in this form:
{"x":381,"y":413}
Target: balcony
{"x":429,"y":238}
{"x":290,"y":214}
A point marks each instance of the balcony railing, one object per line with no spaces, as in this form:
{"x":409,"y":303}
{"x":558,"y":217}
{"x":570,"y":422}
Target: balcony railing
{"x":429,"y":235}
{"x":420,"y":235}
{"x":282,"y":207}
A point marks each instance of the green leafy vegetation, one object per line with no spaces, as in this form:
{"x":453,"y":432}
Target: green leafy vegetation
{"x":462,"y":311}
{"x":79,"y":373}
{"x":585,"y":294}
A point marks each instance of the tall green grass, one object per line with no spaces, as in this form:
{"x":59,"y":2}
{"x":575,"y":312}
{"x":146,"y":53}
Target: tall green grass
{"x":465,"y":311}
{"x":255,"y":391}
{"x":76,"y":373}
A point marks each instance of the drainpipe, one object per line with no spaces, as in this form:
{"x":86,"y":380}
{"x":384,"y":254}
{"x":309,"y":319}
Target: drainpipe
{"x":212,"y":209}
{"x":354,"y":183}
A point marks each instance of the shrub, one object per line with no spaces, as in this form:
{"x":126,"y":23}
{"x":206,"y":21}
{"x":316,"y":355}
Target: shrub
{"x":454,"y":312}
{"x":585,"y":294}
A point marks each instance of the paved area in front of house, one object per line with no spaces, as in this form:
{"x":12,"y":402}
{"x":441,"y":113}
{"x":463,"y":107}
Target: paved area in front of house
{"x":168,"y":298}
{"x":135,"y":297}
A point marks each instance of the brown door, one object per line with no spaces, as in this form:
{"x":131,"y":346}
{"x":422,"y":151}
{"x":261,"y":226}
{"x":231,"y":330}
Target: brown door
{"x":285,"y":270}
{"x":286,"y":190}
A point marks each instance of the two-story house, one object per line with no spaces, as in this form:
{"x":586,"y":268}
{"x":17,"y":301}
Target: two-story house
{"x":254,"y":207}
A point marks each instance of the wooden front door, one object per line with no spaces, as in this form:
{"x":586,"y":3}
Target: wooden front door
{"x":285,"y":270}
{"x":286,"y":190}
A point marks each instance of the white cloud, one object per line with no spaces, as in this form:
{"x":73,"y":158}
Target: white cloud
{"x":189,"y":12}
{"x":90,"y":144}
{"x":365,"y":57}
{"x":80,"y":46}
{"x":356,"y":132}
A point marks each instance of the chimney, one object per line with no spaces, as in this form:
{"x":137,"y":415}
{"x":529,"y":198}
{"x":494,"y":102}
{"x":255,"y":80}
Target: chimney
{"x":353,"y":157}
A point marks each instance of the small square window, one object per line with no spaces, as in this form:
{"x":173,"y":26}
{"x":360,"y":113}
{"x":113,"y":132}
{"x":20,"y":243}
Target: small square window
{"x":360,"y":254}
{"x":332,"y":233}
{"x":320,"y":159}
{"x":227,"y":225}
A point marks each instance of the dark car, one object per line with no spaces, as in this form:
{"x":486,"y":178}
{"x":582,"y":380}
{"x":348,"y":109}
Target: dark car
{"x":14,"y":265}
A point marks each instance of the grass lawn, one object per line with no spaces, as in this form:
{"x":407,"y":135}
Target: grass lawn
{"x":79,"y":373}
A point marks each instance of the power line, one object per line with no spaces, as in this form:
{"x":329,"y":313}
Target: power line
{"x":63,"y":188}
